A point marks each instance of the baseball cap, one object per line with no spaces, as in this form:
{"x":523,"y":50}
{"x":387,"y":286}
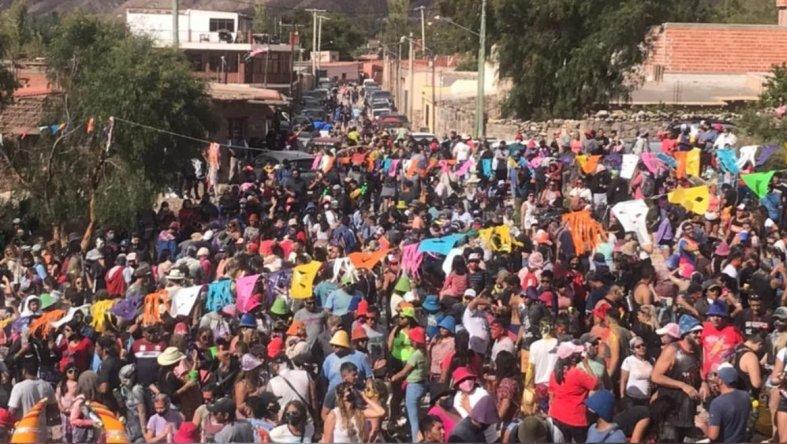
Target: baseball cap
{"x":672,"y":329}
{"x":223,"y":405}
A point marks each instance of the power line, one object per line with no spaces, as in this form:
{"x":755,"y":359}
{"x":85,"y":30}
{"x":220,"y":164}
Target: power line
{"x":184,"y":136}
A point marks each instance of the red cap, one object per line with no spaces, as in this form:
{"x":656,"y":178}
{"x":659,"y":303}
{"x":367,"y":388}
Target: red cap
{"x":275,"y":347}
{"x":359,"y":333}
{"x":462,"y":373}
{"x":252,"y":247}
{"x":363,"y":309}
{"x":417,"y":335}
{"x":181,"y":329}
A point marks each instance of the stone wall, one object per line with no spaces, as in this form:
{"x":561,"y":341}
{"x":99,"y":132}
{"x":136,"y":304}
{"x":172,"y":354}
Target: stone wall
{"x":459,"y":115}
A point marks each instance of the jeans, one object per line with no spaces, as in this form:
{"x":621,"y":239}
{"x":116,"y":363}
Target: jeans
{"x":412,"y":398}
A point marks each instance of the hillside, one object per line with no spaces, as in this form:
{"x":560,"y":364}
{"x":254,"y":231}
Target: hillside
{"x":117,"y":6}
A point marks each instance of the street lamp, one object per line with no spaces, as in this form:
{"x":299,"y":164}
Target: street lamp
{"x":479,"y":101}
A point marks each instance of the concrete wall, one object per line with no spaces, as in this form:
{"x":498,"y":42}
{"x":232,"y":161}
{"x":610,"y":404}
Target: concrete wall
{"x":717,"y":48}
{"x":193,"y":25}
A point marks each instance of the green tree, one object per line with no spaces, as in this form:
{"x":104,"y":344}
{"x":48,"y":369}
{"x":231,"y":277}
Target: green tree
{"x":75,"y":174}
{"x":15,"y":23}
{"x":339,"y":34}
{"x":446,"y":38}
{"x":261,"y":21}
{"x":7,"y":81}
{"x":566,"y":56}
{"x":762,"y":123}
{"x":396,"y":23}
{"x":745,"y":11}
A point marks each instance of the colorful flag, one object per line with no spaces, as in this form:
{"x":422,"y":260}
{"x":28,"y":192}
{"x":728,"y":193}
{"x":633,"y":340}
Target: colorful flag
{"x":758,"y":182}
{"x":653,"y":163}
{"x":588,"y":163}
{"x":747,"y":155}
{"x":628,"y":165}
{"x":411,"y":259}
{"x":727,"y":160}
{"x":766,"y":151}
{"x":244,"y":288}
{"x":632,"y":215}
{"x":303,"y":280}
{"x":367,"y":260}
{"x":688,"y":163}
{"x":440,"y":245}
{"x":694,"y":199}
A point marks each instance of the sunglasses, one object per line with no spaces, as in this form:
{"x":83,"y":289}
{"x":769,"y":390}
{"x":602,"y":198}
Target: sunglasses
{"x":71,"y":370}
{"x":639,"y":346}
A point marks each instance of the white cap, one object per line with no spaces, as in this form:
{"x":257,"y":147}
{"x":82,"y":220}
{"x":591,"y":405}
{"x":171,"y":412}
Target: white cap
{"x":203,"y":251}
{"x":474,"y":257}
{"x":208,"y":235}
{"x":470,"y":293}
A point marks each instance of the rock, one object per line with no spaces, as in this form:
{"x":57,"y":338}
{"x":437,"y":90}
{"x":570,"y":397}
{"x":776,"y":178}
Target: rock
{"x":603,"y":114}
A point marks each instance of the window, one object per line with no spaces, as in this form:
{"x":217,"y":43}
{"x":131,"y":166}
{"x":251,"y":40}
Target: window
{"x":222,"y":24}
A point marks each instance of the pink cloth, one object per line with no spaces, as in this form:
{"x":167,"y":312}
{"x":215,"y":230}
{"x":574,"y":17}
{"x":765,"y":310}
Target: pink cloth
{"x":244,"y":287}
{"x":394,"y":167}
{"x":411,"y":259}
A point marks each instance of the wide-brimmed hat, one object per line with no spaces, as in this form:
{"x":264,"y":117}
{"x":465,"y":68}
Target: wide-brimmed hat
{"x":448,"y":323}
{"x":170,"y":356}
{"x":462,"y":373}
{"x":175,"y":275}
{"x":341,"y":339}
{"x":718,"y":308}
{"x":688,"y":324}
{"x":417,"y":335}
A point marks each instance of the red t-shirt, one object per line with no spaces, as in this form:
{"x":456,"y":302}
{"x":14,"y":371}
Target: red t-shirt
{"x":717,"y":346}
{"x":76,"y":352}
{"x":568,"y":402}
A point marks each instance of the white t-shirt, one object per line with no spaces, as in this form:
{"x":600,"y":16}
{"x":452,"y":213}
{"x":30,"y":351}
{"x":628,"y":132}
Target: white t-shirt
{"x":475,"y":324}
{"x":730,"y":271}
{"x":503,"y":344}
{"x":299,"y":380}
{"x":26,"y":394}
{"x":543,"y":355}
{"x":461,"y":151}
{"x":477,"y":394}
{"x":638,"y":384}
{"x":282,"y":434}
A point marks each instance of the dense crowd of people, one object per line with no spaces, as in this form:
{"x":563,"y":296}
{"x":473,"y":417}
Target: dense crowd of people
{"x":541,"y":290}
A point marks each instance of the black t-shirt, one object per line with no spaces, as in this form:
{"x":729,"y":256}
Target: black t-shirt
{"x":628,"y":418}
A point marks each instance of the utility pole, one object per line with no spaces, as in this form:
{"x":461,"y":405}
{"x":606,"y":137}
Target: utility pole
{"x":314,"y":40}
{"x":320,"y":18}
{"x":411,"y":95}
{"x":479,"y":103}
{"x":175,"y":19}
{"x":399,"y":75}
{"x":423,"y":30}
{"x":296,"y":31}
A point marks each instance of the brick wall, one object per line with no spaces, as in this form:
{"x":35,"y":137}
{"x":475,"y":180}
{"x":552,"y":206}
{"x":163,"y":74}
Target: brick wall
{"x":718,"y":48}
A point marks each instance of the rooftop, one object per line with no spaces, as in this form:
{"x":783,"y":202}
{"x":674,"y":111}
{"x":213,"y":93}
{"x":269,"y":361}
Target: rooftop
{"x":244,"y":92}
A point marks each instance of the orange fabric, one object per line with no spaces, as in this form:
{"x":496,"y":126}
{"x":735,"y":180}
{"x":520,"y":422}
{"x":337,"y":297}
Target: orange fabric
{"x":358,"y":158}
{"x":384,"y":243}
{"x":344,"y":160}
{"x":367,"y":260}
{"x":151,"y":313}
{"x":588,"y":163}
{"x":42,"y":326}
{"x":586,"y":232}
{"x":328,"y":163}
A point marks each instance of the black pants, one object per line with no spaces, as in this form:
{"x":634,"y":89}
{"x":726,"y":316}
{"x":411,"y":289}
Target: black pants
{"x":571,"y":433}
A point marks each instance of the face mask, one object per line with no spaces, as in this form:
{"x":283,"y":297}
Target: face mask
{"x":467,"y":385}
{"x":293,"y":417}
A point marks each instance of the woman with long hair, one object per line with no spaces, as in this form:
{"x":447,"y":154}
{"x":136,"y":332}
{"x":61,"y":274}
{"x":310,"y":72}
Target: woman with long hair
{"x":83,"y":428}
{"x":295,"y":426}
{"x":456,"y":282}
{"x":247,"y":384}
{"x":65,"y":394}
{"x":414,"y":372}
{"x":508,"y":385}
{"x":346,"y":423}
{"x":635,"y":374}
{"x":570,"y":387}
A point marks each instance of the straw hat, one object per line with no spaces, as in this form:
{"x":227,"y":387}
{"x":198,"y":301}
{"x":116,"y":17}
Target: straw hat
{"x":341,"y":339}
{"x":171,"y":355}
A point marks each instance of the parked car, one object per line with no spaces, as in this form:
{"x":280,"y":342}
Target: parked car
{"x":319,"y":143}
{"x":393,"y":121}
{"x":379,"y":112}
{"x":296,"y":159}
{"x":423,"y":137}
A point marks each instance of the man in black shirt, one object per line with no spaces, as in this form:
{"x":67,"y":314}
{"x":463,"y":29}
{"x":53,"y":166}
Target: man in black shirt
{"x":108,"y":371}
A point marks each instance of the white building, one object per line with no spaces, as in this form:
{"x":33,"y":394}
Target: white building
{"x":194,"y":26}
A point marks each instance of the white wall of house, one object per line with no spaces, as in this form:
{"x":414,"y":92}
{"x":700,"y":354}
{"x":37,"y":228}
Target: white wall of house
{"x":193,"y":25}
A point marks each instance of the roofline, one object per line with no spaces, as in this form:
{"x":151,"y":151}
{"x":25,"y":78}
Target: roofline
{"x":183,"y":11}
{"x":722,"y":25}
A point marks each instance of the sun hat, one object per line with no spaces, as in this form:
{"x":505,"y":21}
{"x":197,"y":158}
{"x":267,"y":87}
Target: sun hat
{"x":602,"y":402}
{"x":279,"y":307}
{"x":48,"y":300}
{"x":181,"y":329}
{"x":431,"y":303}
{"x":359,"y":334}
{"x":275,"y":347}
{"x":718,"y":308}
{"x":473,"y":257}
{"x":362,"y":309}
{"x":672,"y":329}
{"x":249,"y":362}
{"x":295,"y":327}
{"x":470,"y":293}
{"x":406,"y":311}
{"x":417,"y":335}
{"x":567,"y":349}
{"x":448,"y":323}
{"x":688,"y":324}
{"x":170,"y":356}
{"x":175,"y":275}
{"x":535,"y":260}
{"x":340,"y":339}
{"x":247,"y":320}
{"x":462,"y":373}
{"x":723,"y":249}
{"x":203,"y":251}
